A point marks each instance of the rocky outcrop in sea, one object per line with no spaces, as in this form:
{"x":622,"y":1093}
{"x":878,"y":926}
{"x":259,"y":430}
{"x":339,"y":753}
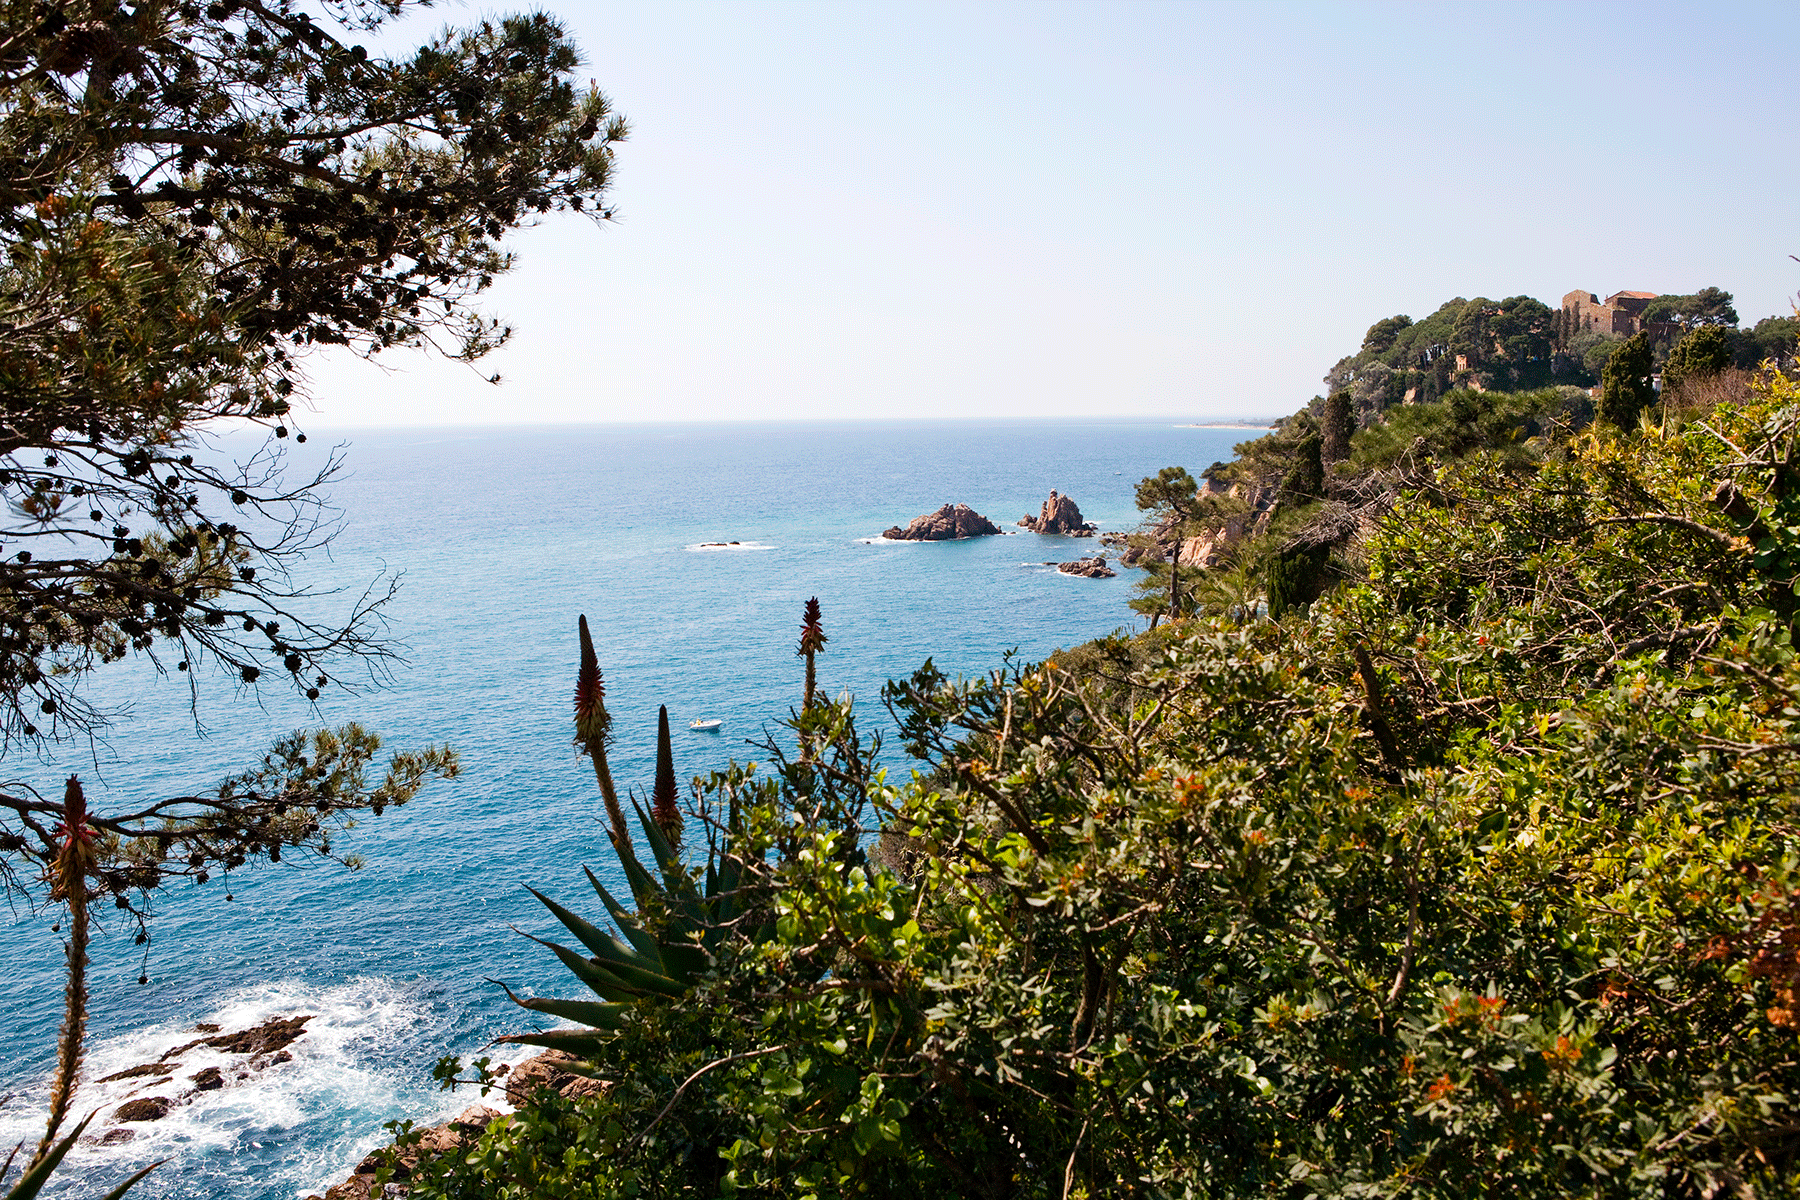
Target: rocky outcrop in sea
{"x":1088,"y":568}
{"x":261,"y":1046}
{"x":1060,"y":515}
{"x":946,"y":524}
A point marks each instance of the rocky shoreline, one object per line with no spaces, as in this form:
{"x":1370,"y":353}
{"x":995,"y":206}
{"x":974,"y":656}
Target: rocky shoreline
{"x":546,"y":1070}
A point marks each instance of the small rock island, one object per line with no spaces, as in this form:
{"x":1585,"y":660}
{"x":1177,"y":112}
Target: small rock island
{"x":946,"y":524}
{"x":1060,"y":515}
{"x":1088,"y":568}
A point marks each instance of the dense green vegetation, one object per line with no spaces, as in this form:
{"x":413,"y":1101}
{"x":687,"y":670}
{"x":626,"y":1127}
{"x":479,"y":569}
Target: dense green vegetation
{"x":1521,"y":344}
{"x":1475,"y":876}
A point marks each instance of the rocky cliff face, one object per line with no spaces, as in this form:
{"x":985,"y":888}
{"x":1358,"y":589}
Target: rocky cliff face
{"x":1060,"y":515}
{"x":947,"y":523}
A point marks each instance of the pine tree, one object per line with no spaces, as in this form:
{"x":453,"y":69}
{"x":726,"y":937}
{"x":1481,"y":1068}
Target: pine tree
{"x":1625,"y":389}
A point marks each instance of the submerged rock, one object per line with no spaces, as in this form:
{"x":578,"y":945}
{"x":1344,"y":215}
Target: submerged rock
{"x":948,"y":523}
{"x":1060,"y":515}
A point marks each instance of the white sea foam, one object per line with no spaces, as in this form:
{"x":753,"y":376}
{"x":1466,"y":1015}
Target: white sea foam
{"x":310,"y":1119}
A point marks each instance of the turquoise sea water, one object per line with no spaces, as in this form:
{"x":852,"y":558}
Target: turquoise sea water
{"x":502,"y":536}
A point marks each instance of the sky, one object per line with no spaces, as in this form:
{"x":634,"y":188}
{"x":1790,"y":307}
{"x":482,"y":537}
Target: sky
{"x":1066,"y":209}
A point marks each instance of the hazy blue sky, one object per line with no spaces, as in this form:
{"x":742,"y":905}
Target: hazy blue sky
{"x":1062,"y":208}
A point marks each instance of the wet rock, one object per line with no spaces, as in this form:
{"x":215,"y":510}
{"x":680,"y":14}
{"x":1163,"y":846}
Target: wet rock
{"x":138,"y":1072}
{"x":266,"y":1038}
{"x":203,"y":1027}
{"x":1088,"y":568}
{"x":948,"y":523}
{"x":115,"y":1137}
{"x":209,"y":1080}
{"x":148,"y":1108}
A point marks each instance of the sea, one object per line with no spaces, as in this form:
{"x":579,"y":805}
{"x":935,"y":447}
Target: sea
{"x":691,"y":550}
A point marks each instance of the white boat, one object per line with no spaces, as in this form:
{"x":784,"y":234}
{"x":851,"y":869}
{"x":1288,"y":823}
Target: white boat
{"x":703,"y":725}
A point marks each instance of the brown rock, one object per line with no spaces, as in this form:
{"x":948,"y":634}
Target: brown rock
{"x":203,"y":1027}
{"x":1060,"y":515}
{"x":1088,"y":568}
{"x":948,"y":523}
{"x":266,"y":1038}
{"x":436,"y":1140}
{"x":549,"y":1070}
{"x":209,"y":1080}
{"x":149,"y":1108}
{"x":139,"y":1071}
{"x":114,"y":1137}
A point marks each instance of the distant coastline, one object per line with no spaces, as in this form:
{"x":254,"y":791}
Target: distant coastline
{"x":1270,"y":424}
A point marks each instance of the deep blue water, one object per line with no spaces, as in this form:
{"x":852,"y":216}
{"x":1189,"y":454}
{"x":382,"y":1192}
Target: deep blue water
{"x":502,"y":536}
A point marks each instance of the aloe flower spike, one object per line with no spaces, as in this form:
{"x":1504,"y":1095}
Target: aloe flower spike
{"x":812,"y":640}
{"x":593,"y":726}
{"x":663,"y":809}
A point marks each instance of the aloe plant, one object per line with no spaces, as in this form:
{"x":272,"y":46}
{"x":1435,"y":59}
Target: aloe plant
{"x":670,"y":940}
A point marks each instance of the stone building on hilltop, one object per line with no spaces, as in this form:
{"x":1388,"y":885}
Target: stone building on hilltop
{"x":1619,"y":314}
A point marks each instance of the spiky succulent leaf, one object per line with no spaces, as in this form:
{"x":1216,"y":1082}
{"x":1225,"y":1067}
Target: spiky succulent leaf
{"x":606,"y":947}
{"x":626,"y":920}
{"x":605,"y":982}
{"x":38,"y":1173}
{"x":131,"y":1182}
{"x":587,"y":1012}
{"x":573,"y":1041}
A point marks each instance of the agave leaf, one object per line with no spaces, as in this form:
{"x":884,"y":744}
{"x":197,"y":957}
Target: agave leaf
{"x":627,"y":921}
{"x":645,"y":890}
{"x":575,"y":1041}
{"x":680,"y":888}
{"x":674,"y":874}
{"x":685,"y":959}
{"x":33,"y":1180}
{"x":587,"y":1012}
{"x":132,"y":1182}
{"x":600,"y":979}
{"x":604,"y":945}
